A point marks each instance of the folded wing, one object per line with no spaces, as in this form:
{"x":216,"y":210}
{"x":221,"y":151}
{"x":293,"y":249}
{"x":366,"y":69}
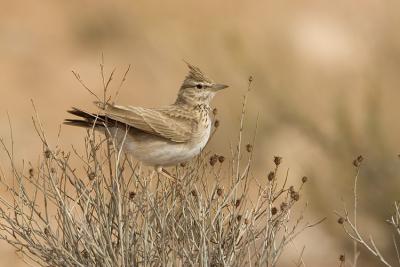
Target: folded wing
{"x":160,"y":122}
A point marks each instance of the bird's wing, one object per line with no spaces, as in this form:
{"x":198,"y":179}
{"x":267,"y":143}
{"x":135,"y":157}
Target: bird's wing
{"x":160,"y":122}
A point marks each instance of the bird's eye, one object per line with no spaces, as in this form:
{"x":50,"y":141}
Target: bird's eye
{"x":199,"y":86}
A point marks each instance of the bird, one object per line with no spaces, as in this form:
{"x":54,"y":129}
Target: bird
{"x":159,"y":137}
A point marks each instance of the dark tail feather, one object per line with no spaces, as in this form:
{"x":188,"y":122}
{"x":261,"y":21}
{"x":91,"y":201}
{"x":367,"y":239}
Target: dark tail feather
{"x":79,"y":123}
{"x":88,"y":120}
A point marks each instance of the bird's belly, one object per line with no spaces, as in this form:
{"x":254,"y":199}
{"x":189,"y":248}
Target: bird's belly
{"x":157,"y":151}
{"x":166,"y":155}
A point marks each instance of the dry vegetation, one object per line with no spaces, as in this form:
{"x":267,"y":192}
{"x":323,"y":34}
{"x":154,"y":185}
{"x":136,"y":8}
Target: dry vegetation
{"x":109,"y":210}
{"x":353,"y":229}
{"x":327,"y":87}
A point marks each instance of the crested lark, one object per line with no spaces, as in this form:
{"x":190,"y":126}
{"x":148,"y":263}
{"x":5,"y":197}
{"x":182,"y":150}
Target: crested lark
{"x":163,"y":136}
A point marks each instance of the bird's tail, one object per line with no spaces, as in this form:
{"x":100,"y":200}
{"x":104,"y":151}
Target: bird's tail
{"x":86,"y":119}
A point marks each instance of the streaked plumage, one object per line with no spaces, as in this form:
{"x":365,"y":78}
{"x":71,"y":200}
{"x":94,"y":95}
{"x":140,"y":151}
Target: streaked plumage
{"x":159,"y":136}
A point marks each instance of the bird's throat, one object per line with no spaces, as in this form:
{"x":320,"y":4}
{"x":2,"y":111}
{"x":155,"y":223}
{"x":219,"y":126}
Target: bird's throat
{"x":192,"y":99}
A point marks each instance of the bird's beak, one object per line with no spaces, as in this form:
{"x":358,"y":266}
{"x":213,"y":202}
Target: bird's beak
{"x":218,"y":87}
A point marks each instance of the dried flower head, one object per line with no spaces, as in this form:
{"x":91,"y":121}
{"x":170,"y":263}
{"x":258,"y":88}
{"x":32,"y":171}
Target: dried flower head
{"x":215,"y":111}
{"x":194,"y":193}
{"x":250,"y":78}
{"x":239,"y":218}
{"x":132,"y":195}
{"x":183,"y":164}
{"x":213,"y":159}
{"x":249,"y":148}
{"x":221,"y":159}
{"x":304,"y":179}
{"x":85,"y":254}
{"x":274,"y":210}
{"x":216,"y":123}
{"x":91,"y":176}
{"x":342,"y":258}
{"x":295,"y":196}
{"x":220,"y":191}
{"x":271,"y":176}
{"x":31,"y":172}
{"x":277,"y":160}
{"x":357,"y":161}
{"x":340,"y":220}
{"x":47,"y":153}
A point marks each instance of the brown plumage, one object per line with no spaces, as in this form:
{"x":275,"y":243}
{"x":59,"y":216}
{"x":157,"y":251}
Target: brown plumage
{"x":159,"y":136}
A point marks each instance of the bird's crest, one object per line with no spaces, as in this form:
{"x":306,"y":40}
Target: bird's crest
{"x":195,"y":74}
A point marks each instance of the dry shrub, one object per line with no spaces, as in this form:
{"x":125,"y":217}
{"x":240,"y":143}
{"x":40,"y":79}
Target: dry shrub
{"x":109,"y":210}
{"x":352,"y":229}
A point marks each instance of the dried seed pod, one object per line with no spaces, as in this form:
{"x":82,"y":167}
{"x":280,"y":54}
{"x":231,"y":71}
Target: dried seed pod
{"x":85,"y":254}
{"x":213,"y":159}
{"x":239,"y":218}
{"x":277,"y":160}
{"x":284,"y":206}
{"x":249,"y":148}
{"x":357,"y":161}
{"x":221,"y":159}
{"x":183,"y":164}
{"x":215,"y":111}
{"x":304,"y":179}
{"x":47,"y":153}
{"x":250,"y":78}
{"x":194,"y":193}
{"x":216,"y":123}
{"x":31,"y":172}
{"x":220,"y":191}
{"x":340,"y":220}
{"x":342,"y":257}
{"x":246,"y":221}
{"x":274,"y":210}
{"x":271,"y":176}
{"x":295,"y":196}
{"x":92,"y":176}
{"x":132,"y":195}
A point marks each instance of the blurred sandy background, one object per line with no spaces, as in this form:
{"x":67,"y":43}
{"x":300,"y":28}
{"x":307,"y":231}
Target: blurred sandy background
{"x":326,"y":85}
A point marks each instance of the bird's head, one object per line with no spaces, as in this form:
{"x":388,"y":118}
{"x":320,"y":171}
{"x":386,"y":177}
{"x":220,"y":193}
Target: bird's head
{"x":197,"y":88}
